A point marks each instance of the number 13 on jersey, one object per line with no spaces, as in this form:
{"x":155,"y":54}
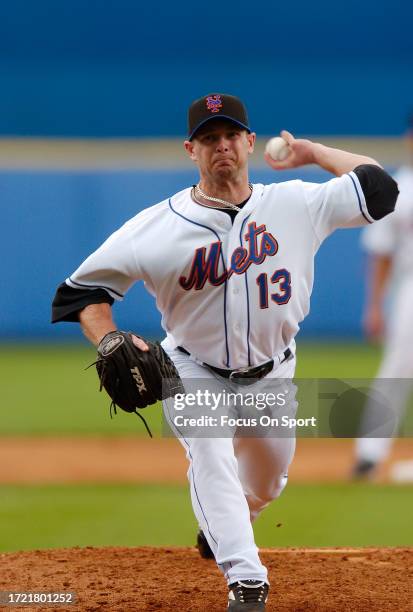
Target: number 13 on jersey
{"x":282,"y":278}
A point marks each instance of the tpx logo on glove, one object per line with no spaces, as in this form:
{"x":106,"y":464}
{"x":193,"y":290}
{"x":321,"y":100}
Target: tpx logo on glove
{"x":111,"y":345}
{"x":138,"y":379}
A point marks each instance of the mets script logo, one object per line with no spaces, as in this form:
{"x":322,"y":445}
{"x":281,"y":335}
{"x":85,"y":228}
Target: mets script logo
{"x":214,"y":103}
{"x":260,"y":245}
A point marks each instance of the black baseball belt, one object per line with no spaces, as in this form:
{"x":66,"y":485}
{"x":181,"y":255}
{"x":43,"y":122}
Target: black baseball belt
{"x":244,"y":376}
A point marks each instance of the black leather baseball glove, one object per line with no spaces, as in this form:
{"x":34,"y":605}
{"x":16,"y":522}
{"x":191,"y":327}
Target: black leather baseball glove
{"x":134,"y":378}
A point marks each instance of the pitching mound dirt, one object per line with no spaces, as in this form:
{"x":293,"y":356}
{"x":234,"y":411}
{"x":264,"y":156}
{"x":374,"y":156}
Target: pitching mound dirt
{"x":134,"y":579}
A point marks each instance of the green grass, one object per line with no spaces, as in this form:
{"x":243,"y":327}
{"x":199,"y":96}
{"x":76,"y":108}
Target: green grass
{"x":342,"y":514}
{"x":337,"y":360}
{"x":99,"y":515}
{"x":46,"y":390}
{"x":102,"y":515}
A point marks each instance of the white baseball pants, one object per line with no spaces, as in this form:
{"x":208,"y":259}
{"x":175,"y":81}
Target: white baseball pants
{"x":233,"y":479}
{"x":396,"y":365}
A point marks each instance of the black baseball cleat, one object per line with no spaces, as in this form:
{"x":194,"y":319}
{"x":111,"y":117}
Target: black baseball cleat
{"x":203,"y":546}
{"x":247,"y":596}
{"x":364,"y":469}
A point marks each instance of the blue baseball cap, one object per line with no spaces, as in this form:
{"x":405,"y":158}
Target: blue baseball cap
{"x":216,"y":106}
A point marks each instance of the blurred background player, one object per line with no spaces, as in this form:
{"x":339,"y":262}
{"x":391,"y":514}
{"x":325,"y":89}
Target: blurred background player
{"x":390,"y":246}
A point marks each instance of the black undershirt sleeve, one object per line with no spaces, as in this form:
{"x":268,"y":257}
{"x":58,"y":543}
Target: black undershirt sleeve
{"x":68,"y":302}
{"x":379,"y":188}
{"x":380,"y":191}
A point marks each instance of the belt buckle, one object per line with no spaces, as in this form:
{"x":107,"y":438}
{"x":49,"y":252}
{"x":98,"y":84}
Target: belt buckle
{"x":233,"y":374}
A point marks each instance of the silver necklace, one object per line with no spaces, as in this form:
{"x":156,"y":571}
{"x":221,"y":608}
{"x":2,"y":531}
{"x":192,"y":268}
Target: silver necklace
{"x":224,"y":204}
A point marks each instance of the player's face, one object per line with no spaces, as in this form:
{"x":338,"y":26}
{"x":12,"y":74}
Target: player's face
{"x":221,"y":149}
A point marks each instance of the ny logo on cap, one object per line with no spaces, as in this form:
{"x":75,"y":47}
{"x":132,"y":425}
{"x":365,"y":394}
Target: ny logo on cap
{"x":214,"y":103}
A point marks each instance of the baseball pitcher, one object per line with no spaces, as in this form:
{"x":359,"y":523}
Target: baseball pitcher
{"x":231,"y":266}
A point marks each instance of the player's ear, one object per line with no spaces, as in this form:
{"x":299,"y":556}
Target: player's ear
{"x":189,"y":148}
{"x":252,"y":137}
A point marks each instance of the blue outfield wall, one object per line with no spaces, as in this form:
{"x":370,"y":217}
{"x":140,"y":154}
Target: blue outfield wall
{"x":123,"y":68}
{"x":51,"y":221}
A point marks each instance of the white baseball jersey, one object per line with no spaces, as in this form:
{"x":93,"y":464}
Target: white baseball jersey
{"x":393,"y":235}
{"x":232,"y":293}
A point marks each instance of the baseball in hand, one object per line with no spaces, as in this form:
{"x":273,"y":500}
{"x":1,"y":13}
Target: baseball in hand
{"x":277,"y":148}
